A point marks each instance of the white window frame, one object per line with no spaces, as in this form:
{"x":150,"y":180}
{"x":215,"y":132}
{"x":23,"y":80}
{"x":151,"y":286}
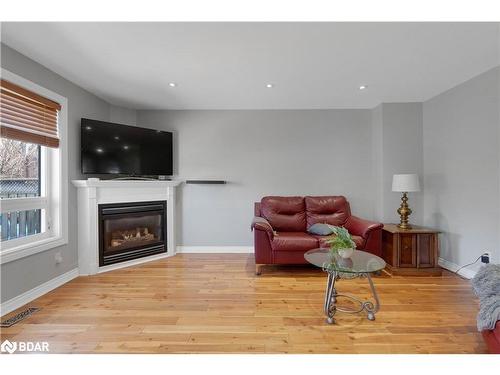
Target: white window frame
{"x":54,"y":187}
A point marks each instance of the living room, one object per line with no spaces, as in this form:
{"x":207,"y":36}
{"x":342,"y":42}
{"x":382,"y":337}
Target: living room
{"x":250,"y":187}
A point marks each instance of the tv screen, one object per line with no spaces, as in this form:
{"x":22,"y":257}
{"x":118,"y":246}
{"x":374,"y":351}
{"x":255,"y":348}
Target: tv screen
{"x":108,"y":148}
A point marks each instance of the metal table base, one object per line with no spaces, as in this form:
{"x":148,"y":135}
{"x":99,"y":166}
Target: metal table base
{"x":331,"y":296}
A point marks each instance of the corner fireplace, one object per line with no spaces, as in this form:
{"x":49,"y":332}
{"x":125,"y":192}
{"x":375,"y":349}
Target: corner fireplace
{"x":131,"y":230}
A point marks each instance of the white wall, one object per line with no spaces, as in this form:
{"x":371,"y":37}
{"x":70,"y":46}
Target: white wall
{"x":290,"y":152}
{"x":461,"y":133}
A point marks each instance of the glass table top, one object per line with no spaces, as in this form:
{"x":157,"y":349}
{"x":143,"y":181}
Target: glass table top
{"x":358,"y":262}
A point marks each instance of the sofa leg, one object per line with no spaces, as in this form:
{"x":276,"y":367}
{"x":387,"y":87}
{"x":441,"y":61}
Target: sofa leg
{"x":258,"y":269}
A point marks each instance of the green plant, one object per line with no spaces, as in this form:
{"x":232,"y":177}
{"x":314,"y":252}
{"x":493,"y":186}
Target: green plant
{"x":341,"y":239}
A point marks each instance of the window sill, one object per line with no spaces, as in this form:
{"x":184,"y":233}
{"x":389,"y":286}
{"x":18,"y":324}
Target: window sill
{"x":31,"y":248}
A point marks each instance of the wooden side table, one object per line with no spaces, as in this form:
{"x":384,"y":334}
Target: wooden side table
{"x":411,"y":251}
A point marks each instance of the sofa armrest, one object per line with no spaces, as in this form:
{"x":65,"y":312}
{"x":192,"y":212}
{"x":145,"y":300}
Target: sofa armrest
{"x":361,"y":227}
{"x":259,"y":223}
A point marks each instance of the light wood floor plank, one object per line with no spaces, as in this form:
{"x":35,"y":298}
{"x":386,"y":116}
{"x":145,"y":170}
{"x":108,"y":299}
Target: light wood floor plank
{"x":213,"y":303}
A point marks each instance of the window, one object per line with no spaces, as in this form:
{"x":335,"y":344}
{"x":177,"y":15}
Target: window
{"x":21,"y":177}
{"x":33,"y":185}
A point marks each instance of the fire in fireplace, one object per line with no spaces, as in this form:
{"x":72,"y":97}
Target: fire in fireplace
{"x":131,"y":237}
{"x":131,"y":230}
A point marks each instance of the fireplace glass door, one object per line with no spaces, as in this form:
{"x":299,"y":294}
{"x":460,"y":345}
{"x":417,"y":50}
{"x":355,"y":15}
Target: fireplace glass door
{"x":131,"y":231}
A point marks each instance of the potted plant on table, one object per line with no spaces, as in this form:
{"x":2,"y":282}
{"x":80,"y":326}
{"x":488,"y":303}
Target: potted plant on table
{"x":341,"y":242}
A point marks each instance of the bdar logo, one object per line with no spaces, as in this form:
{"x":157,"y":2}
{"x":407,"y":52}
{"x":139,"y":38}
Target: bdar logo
{"x":9,"y":347}
{"x":24,"y":346}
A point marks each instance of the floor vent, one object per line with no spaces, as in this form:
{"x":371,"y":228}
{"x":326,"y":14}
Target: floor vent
{"x":18,"y":317}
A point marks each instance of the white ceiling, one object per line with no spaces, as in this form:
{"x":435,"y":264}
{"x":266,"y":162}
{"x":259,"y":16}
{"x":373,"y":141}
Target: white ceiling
{"x":227,"y":65}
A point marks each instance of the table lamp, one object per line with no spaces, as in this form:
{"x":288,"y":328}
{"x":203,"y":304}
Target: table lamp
{"x":405,"y":183}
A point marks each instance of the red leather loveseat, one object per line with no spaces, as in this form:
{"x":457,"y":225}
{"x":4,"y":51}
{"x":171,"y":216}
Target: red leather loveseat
{"x":280,"y":228}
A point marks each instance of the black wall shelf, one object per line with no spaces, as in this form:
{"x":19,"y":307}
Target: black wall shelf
{"x":206,"y":182}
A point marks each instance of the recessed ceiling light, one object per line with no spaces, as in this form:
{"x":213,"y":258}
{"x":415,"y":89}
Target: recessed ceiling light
{"x":269,"y":85}
{"x":99,"y":150}
{"x":125,"y":147}
{"x":88,"y":127}
{"x":172,"y":84}
{"x":117,"y":138}
{"x":363,"y":87}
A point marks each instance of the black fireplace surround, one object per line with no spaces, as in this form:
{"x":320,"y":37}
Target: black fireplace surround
{"x":131,"y":230}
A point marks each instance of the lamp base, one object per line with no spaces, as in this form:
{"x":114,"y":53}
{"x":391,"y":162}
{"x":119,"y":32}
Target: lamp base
{"x":404,"y":212}
{"x":404,"y":226}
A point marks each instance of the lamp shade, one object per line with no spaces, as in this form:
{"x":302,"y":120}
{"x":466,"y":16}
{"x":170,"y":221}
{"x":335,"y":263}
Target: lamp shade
{"x":405,"y":182}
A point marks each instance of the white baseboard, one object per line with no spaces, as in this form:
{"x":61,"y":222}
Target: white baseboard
{"x":36,"y":292}
{"x":215,"y":249}
{"x":450,"y":266}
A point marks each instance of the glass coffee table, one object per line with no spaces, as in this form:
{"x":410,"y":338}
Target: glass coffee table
{"x":359,"y":264}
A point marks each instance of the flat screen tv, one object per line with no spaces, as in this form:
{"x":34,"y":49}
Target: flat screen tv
{"x":108,"y":148}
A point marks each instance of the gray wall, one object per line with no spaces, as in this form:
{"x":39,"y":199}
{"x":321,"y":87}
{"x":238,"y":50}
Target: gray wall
{"x":377,"y":162}
{"x":26,"y":273}
{"x":122,"y":115}
{"x":291,"y":152}
{"x":401,"y":153}
{"x":462,"y":168}
{"x":351,"y":152}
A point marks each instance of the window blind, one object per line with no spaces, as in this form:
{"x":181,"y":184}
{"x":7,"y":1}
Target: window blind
{"x":28,"y":117}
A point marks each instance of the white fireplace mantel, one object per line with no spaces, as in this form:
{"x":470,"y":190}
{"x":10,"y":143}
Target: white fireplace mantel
{"x":93,"y":191}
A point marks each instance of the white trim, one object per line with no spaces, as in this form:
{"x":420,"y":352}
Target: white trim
{"x":215,"y":249}
{"x":93,"y":192}
{"x":133,"y":262}
{"x":23,"y":204}
{"x":37,"y":292}
{"x":57,"y":208}
{"x":450,"y":266}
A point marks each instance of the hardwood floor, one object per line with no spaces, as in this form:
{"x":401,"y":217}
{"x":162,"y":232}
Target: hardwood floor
{"x":213,"y":303}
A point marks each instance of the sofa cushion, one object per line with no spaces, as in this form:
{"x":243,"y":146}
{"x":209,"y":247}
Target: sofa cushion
{"x":333,"y":210}
{"x":320,"y":229}
{"x":293,"y":241}
{"x":359,"y":241}
{"x":285,"y":214}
